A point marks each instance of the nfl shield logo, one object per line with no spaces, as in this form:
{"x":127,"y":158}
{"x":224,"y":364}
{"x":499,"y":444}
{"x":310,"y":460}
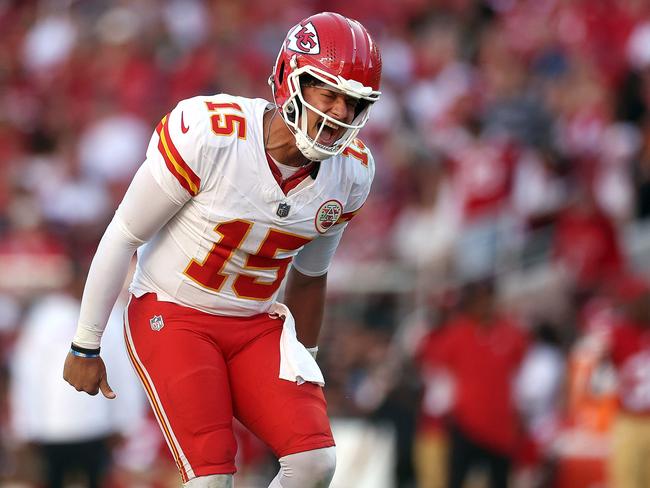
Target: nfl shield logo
{"x":156,"y":322}
{"x":283,"y":210}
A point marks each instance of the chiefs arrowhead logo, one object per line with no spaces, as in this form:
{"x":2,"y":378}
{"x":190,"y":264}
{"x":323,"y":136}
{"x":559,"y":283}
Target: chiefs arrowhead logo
{"x":304,"y":39}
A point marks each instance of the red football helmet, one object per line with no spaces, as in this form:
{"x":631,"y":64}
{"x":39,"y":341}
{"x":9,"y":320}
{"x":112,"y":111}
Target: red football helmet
{"x":337,"y":52}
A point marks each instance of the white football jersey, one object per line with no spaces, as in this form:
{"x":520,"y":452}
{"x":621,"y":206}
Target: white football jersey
{"x":227,"y":250}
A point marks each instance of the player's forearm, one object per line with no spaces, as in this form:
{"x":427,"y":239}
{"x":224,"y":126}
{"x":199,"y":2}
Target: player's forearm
{"x":104,"y":283}
{"x":305,"y":297}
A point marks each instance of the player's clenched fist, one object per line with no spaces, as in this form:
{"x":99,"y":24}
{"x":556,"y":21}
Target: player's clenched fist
{"x":87,"y":374}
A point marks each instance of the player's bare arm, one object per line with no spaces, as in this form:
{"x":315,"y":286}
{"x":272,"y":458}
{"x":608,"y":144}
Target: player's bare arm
{"x":305,"y":297}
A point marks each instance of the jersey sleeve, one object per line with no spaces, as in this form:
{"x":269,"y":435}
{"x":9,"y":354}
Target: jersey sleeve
{"x":176,"y":152}
{"x":315,"y":257}
{"x":130,"y":228}
{"x":363,"y":172}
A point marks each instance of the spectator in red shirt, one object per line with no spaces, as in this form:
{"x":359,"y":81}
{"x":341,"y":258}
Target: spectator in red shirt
{"x":430,"y":450}
{"x":586,"y":243}
{"x":482,"y":350}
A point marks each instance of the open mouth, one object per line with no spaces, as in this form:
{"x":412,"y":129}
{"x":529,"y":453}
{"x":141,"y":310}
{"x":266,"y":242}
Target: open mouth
{"x":329,"y":133}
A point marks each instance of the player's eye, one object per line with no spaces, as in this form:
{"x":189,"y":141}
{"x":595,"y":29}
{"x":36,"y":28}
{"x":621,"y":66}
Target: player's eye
{"x":352,"y":103}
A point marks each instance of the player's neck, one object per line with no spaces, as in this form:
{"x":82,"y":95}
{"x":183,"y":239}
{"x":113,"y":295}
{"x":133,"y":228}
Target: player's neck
{"x":279,"y":142}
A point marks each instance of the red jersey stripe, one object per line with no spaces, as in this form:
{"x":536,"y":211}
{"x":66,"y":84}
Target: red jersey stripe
{"x":157,"y":408}
{"x":347,"y":216}
{"x":294,"y":180}
{"x":173,"y":160}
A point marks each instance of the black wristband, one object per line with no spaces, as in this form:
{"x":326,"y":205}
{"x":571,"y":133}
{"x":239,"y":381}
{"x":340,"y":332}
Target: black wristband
{"x":84,"y":350}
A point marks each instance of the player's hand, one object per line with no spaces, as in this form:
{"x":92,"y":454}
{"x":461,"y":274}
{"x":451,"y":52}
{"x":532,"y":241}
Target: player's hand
{"x":87,"y":374}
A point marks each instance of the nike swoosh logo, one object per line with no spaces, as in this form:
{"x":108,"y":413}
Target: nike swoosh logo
{"x":184,"y":128}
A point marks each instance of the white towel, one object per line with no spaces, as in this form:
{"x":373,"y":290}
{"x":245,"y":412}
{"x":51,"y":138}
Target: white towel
{"x":296,"y":363}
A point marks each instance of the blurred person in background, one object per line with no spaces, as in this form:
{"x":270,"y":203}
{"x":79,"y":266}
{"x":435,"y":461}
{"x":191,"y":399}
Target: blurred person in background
{"x":481,"y":348}
{"x":431,"y":448}
{"x":629,"y":350}
{"x":232,"y":190}
{"x":71,"y":436}
{"x":540,"y":192}
{"x":10,"y":314}
{"x":538,"y":389}
{"x":427,"y":227}
{"x":641,"y":176}
{"x":586,"y":244}
{"x":580,"y":447}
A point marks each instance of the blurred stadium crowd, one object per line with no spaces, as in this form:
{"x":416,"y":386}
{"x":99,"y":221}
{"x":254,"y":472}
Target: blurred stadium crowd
{"x":512,"y":142}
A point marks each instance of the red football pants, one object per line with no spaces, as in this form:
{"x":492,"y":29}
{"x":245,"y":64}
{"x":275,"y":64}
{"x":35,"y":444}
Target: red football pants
{"x":200,"y":370}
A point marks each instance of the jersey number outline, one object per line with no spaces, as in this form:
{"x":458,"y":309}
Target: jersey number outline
{"x":223,"y":124}
{"x":358,"y":152}
{"x":210,"y":273}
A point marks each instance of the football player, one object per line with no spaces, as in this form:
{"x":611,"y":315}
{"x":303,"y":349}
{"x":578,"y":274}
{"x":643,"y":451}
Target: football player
{"x":232,"y":192}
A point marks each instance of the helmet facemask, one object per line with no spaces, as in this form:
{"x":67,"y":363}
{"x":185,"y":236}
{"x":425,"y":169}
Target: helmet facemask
{"x":295,"y":110}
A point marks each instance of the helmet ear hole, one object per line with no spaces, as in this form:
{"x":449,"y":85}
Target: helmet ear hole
{"x":292,"y":110}
{"x":281,"y":73}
